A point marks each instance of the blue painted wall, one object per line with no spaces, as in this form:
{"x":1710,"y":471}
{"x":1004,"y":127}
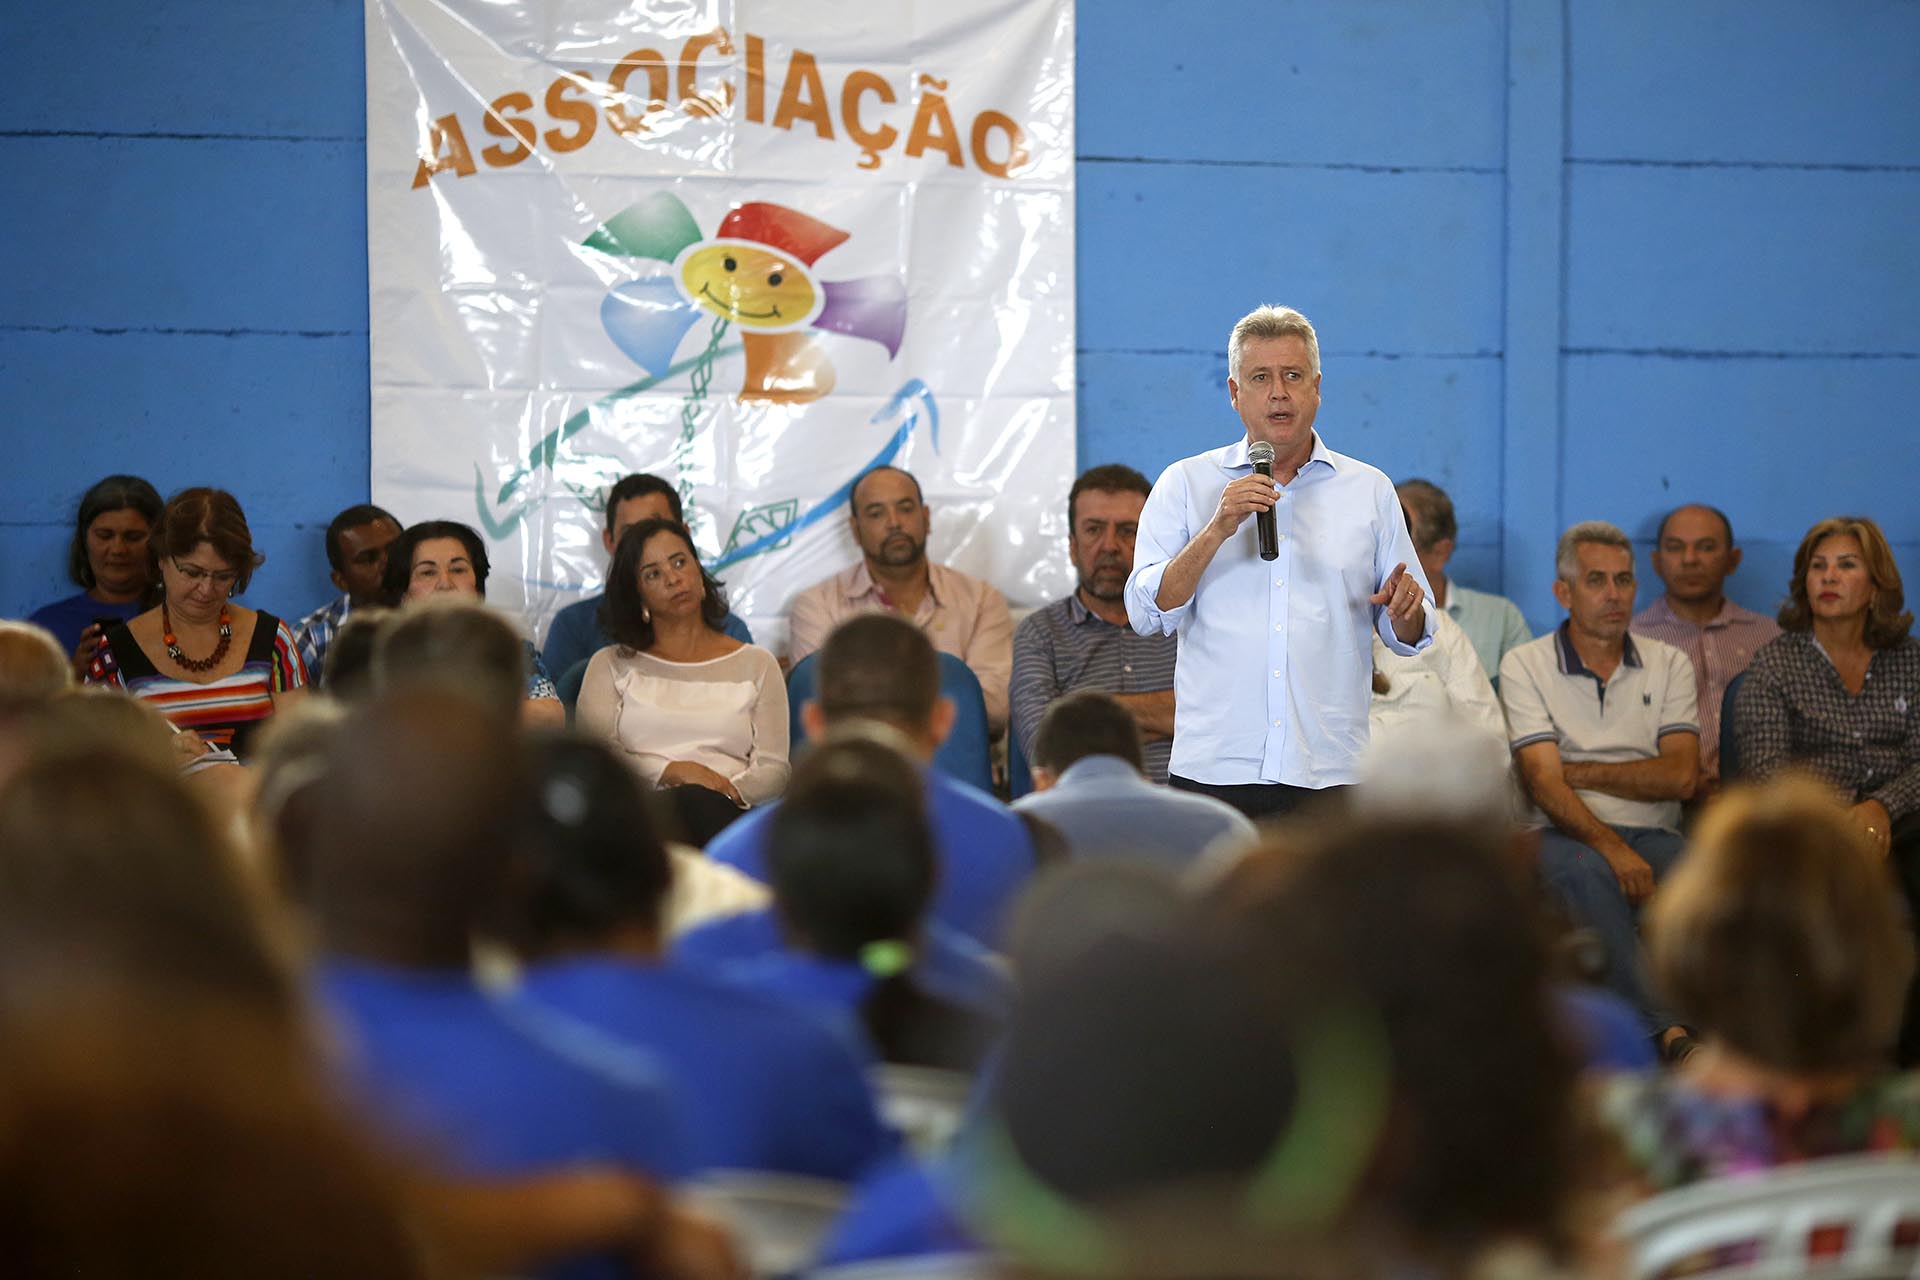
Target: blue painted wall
{"x":1569,"y":258}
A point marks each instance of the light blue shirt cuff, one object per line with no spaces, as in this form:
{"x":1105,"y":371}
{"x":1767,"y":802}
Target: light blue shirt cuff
{"x":1148,"y":618}
{"x":1384,"y":625}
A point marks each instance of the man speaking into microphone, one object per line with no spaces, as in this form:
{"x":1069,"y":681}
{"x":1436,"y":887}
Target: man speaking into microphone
{"x":1275,"y":663}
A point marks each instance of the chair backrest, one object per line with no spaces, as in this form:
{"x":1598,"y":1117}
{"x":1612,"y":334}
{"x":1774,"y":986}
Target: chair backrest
{"x":1729,"y":740}
{"x":778,"y":1220}
{"x":966,"y":752}
{"x":925,"y":1266}
{"x":567,"y":686}
{"x":1843,"y":1218}
{"x":926,"y":1104}
{"x":1019,"y":772}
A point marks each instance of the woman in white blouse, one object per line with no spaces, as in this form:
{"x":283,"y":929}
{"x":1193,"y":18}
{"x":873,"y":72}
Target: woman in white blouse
{"x":696,"y":712}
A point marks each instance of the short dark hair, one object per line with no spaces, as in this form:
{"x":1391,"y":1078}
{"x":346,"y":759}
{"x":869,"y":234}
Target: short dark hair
{"x":1432,"y":509}
{"x":212,"y":516}
{"x":352,"y":518}
{"x":1113,"y":477}
{"x":400,"y":555}
{"x":114,"y":493}
{"x":849,"y":852}
{"x":853,"y":490}
{"x":1085,"y":724}
{"x":587,"y":855}
{"x":876,"y":666}
{"x":453,"y":643}
{"x":640,"y":485}
{"x":1660,"y":534}
{"x":346,"y":672}
{"x":623,"y":614}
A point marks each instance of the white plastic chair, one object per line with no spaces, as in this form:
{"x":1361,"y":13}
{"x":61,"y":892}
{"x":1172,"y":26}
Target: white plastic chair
{"x":1844,"y":1218}
{"x":778,"y":1220}
{"x":934,"y":1266}
{"x":926,"y":1104}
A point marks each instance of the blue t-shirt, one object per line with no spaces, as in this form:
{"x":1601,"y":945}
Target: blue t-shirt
{"x":903,"y":1209}
{"x":985,"y":854}
{"x":950,"y":964}
{"x":452,"y":1077}
{"x":68,"y":618}
{"x":764,"y":1086}
{"x":576,"y":636}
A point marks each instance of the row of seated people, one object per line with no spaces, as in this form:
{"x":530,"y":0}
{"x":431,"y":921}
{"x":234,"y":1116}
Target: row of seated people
{"x":434,"y":996}
{"x":667,"y":678}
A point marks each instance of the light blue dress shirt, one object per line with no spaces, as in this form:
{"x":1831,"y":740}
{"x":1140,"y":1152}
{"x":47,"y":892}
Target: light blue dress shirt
{"x":1276,"y":657}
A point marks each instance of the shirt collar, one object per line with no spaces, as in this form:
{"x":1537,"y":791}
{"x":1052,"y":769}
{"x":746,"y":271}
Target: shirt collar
{"x":1570,"y":664}
{"x":860,"y":584}
{"x":1234,"y":456}
{"x":1097,"y":769}
{"x":1664,"y":612}
{"x":1078,"y":613}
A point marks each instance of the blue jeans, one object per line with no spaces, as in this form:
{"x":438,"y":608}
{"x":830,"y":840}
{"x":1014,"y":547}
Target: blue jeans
{"x":1586,"y":886}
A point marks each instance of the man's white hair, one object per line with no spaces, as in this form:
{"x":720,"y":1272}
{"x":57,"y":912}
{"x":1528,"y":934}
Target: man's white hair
{"x":1268,"y":321}
{"x":1566,"y":559}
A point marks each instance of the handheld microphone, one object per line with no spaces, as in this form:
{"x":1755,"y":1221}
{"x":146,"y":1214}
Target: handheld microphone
{"x":1260,"y":453}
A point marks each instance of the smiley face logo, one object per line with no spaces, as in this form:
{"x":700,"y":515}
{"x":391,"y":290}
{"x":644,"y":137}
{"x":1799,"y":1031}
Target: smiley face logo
{"x":750,"y":284}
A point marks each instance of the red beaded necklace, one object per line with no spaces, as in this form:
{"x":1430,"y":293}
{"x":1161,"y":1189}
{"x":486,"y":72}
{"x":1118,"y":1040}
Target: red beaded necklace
{"x":207,"y":663}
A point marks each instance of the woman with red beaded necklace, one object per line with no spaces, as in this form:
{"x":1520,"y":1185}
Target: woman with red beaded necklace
{"x":214,"y":668}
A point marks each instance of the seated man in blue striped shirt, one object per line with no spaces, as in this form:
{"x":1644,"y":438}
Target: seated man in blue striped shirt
{"x":1084,"y":642}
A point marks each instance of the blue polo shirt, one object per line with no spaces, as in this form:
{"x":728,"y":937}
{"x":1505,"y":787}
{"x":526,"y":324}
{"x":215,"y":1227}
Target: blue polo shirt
{"x":763,"y":1086}
{"x":450,"y":1076}
{"x":985,"y":854}
{"x":950,"y":964}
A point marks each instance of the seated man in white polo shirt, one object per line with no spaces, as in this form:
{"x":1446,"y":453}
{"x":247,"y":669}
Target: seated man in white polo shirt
{"x":1606,"y":737}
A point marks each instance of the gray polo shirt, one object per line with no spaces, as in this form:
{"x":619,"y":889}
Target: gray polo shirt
{"x":1104,"y":809}
{"x":1550,"y":696}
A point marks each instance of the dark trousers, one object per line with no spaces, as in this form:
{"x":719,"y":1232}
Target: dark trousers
{"x":1905,"y":856}
{"x":696,"y":814}
{"x":1263,"y":799}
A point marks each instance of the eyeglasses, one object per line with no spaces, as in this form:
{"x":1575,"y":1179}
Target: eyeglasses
{"x":223,"y":579}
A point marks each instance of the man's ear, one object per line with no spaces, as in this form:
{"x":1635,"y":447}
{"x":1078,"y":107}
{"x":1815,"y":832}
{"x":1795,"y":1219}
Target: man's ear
{"x":606,"y":540}
{"x":812,"y":720}
{"x":1733,"y":560}
{"x":338,"y":579}
{"x":1445,"y":548}
{"x":940,"y":723}
{"x":1563,"y":593}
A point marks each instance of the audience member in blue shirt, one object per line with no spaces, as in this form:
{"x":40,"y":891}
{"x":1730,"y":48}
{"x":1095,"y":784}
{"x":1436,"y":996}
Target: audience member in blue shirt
{"x":576,"y":634}
{"x":1089,"y":786}
{"x":878,"y":667}
{"x":851,"y":862}
{"x":108,"y":559}
{"x":763,"y":1085}
{"x":949,"y":964}
{"x":404,"y":850}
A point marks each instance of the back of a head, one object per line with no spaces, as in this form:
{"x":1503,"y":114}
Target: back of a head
{"x":410,"y":827}
{"x":455,"y":645}
{"x":349,"y":671}
{"x":876,"y":666}
{"x":1145,"y":1089}
{"x":1085,"y":724}
{"x":288,"y":765}
{"x":1778,"y":936}
{"x":174,"y":1140}
{"x":32,"y":667}
{"x":113,"y":875}
{"x":849,"y":853}
{"x":1426,"y":930}
{"x":587,"y":862}
{"x":90,"y":718}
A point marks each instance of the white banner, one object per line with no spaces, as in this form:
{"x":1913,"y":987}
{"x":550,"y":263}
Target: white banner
{"x":754,"y":249}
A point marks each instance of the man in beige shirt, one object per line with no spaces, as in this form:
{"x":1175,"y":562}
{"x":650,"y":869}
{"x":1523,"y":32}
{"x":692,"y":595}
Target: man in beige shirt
{"x":962,"y":615}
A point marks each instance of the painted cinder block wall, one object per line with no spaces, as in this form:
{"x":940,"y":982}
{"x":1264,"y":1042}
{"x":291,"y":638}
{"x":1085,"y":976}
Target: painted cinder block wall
{"x":1570,"y":258}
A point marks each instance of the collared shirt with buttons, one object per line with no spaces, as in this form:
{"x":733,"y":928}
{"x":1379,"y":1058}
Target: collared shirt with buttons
{"x":1719,"y":651}
{"x":1301,"y":625}
{"x":963,"y":615}
{"x":1550,"y":695}
{"x":1067,"y":647}
{"x":1793,"y":709}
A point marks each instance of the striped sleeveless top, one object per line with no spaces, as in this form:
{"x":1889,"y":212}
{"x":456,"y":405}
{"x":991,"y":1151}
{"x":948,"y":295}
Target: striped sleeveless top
{"x":225,"y":711}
